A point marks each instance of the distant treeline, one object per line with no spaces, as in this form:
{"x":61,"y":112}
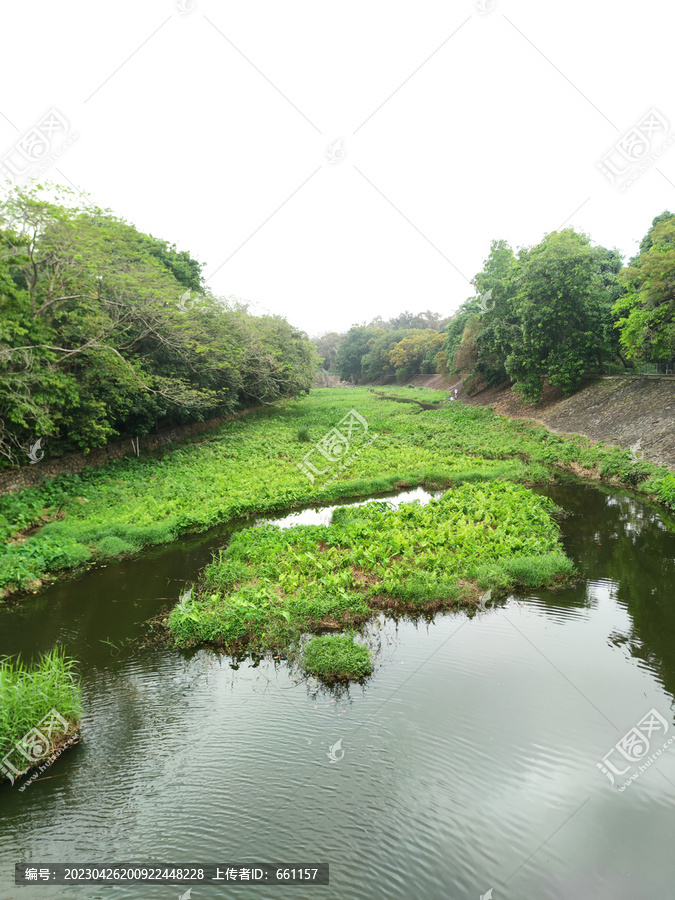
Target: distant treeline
{"x":106,"y":331}
{"x":554,"y":312}
{"x":406,"y":345}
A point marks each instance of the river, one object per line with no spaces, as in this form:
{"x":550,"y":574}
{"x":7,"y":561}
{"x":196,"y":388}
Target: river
{"x":470,"y":757}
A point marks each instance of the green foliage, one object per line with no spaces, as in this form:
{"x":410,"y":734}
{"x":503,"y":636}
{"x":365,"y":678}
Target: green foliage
{"x":327,"y":346}
{"x":29,"y":692}
{"x":336,"y":657}
{"x":647,"y":308}
{"x":101,"y":336}
{"x":416,"y":353}
{"x":377,"y":361}
{"x":546,"y":314}
{"x":114,"y":546}
{"x":269,"y":586}
{"x":250,"y":465}
{"x":365,"y":351}
{"x":353,"y":347}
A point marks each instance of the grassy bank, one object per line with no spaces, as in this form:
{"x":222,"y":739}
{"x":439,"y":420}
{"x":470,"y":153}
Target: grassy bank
{"x":251,"y":466}
{"x":29,"y":733}
{"x":269,"y":586}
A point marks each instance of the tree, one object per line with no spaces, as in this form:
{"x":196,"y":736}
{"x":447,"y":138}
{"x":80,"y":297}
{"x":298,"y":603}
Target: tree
{"x":647,"y":308}
{"x":409,"y":355}
{"x":562,"y":307}
{"x":484,"y":322}
{"x":423,"y":320}
{"x":327,"y":346}
{"x":376,"y":362}
{"x":100,"y":335}
{"x":353,"y":348}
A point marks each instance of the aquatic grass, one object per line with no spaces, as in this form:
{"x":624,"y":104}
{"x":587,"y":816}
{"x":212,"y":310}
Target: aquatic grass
{"x":250,"y":466}
{"x":336,"y":657}
{"x":269,"y":586}
{"x":114,"y":546}
{"x":525,"y":571}
{"x":29,"y":692}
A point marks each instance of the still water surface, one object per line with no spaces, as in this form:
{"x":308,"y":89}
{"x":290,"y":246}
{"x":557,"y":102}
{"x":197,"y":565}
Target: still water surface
{"x":469,"y":757}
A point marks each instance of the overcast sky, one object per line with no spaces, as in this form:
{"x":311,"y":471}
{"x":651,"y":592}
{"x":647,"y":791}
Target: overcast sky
{"x":332,"y":162}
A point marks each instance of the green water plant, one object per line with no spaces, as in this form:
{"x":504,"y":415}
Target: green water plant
{"x":254,"y":465}
{"x":28,"y":694}
{"x":336,"y":657}
{"x":269,"y":585}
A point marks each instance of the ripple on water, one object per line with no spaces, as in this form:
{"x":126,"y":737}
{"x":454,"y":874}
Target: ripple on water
{"x":469,"y":757}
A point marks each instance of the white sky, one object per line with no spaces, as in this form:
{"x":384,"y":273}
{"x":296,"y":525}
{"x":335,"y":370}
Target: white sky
{"x":210,"y":128}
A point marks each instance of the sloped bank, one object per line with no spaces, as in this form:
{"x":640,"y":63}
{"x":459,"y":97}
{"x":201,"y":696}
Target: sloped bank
{"x":633,"y":412}
{"x":18,"y":477}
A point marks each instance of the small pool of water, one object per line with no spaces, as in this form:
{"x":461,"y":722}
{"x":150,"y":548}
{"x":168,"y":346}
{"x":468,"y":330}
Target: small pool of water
{"x":322,"y":515}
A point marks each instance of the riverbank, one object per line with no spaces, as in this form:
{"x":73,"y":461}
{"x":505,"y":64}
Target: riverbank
{"x":16,"y":478}
{"x":633,"y":412}
{"x":331,"y":445}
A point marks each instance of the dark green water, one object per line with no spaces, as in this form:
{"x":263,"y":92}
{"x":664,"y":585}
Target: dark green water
{"x":470,"y":757}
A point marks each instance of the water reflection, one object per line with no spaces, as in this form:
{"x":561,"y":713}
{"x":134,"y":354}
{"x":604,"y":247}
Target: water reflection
{"x":631,"y":546}
{"x":469,"y":756}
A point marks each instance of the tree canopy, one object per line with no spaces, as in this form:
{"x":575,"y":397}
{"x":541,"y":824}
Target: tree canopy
{"x":544,"y":314}
{"x":646,"y":309}
{"x":106,"y":331}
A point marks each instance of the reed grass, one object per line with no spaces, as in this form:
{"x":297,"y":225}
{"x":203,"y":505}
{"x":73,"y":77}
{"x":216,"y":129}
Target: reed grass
{"x":29,"y":692}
